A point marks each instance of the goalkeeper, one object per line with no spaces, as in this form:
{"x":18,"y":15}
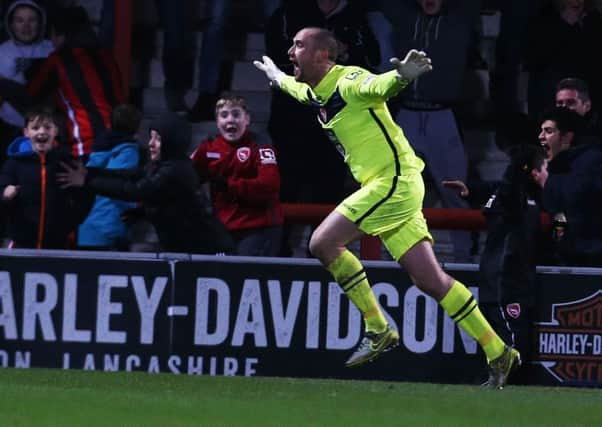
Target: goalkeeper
{"x":350,"y":105}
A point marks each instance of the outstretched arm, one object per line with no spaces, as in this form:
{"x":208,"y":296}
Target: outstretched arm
{"x":389,"y":84}
{"x":271,"y":70}
{"x":284,"y":82}
{"x":413,"y":65}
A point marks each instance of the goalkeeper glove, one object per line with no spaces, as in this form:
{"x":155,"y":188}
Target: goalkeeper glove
{"x":272,"y":72}
{"x":414,"y":65}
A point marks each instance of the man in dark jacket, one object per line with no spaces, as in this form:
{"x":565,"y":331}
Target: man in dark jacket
{"x":573,"y":190}
{"x":514,"y":246}
{"x":168,"y":188}
{"x":508,"y":262}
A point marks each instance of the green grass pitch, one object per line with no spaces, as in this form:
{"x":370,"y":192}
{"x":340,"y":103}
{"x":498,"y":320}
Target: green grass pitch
{"x":40,"y":397}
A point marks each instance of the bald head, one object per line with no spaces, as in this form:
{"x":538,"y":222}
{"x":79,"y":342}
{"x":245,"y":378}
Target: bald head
{"x":323,"y":39}
{"x":313,"y":54}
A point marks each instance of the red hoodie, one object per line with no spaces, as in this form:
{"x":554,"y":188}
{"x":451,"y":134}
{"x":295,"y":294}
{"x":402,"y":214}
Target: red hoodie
{"x":252,"y":199}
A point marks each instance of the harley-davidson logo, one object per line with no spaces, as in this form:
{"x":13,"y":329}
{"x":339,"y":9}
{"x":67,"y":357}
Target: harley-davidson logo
{"x":570,"y":344}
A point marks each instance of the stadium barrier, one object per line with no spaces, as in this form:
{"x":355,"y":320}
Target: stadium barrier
{"x":204,"y":315}
{"x":370,"y":246}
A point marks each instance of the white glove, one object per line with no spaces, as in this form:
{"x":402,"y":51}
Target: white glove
{"x":415,"y":64}
{"x":273,"y":73}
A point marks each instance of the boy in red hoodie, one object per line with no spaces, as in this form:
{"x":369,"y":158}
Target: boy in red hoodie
{"x":245,"y":181}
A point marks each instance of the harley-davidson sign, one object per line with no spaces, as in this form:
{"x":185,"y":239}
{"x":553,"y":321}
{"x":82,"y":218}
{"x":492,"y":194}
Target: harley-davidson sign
{"x":570,"y":344}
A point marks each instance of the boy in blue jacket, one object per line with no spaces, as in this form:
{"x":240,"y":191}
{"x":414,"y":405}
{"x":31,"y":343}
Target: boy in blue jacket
{"x":117,"y":148}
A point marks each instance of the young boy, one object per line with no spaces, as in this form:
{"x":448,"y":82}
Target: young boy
{"x":117,"y":148}
{"x":245,"y":181}
{"x":41,"y":215}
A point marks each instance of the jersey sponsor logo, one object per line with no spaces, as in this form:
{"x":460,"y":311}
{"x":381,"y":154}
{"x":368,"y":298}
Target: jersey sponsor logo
{"x":513,"y":310}
{"x":213,"y":155}
{"x":267,"y":156}
{"x":368,"y":80}
{"x":354,"y":75}
{"x":243,"y":154}
{"x":570,"y":344}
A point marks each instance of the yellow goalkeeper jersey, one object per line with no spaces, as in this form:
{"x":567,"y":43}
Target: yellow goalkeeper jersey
{"x":350,"y":102}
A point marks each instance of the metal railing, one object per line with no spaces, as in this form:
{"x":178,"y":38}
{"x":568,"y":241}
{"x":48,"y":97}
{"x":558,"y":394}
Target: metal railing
{"x":370,"y":246}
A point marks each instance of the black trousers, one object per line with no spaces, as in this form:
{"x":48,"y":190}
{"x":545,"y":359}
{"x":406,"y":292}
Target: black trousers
{"x":513,"y":322}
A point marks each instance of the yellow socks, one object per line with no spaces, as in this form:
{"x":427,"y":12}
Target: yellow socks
{"x":351,"y":276}
{"x":461,"y":306}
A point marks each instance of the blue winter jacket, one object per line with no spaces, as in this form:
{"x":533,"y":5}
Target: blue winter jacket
{"x":103,"y":228}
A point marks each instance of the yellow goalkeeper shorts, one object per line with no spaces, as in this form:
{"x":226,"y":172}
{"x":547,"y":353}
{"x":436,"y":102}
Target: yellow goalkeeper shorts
{"x":390,"y":208}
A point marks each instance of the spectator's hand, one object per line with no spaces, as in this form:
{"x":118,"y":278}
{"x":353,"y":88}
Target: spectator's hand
{"x":10,"y":192}
{"x":218,"y":183}
{"x":458,"y":186}
{"x":272,"y":72}
{"x":74,"y":175}
{"x":414,"y":65}
{"x":133,"y":215}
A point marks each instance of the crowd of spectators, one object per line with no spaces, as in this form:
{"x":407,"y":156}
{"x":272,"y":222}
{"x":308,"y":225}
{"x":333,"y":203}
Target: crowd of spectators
{"x":59,"y":77}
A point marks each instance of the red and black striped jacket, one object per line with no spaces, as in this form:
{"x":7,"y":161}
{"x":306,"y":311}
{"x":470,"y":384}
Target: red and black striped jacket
{"x":85,"y":85}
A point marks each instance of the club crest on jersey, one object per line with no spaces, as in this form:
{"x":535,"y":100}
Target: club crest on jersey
{"x":243,"y":153}
{"x":323,"y":115}
{"x":513,"y":310}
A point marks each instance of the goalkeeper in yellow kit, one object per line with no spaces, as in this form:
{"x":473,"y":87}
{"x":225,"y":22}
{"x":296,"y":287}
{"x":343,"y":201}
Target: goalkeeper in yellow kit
{"x":350,"y":102}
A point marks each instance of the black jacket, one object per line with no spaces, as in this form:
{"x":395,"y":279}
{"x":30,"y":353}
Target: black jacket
{"x":42,"y":215}
{"x":574,"y":187}
{"x":508,"y":262}
{"x":170,"y":192}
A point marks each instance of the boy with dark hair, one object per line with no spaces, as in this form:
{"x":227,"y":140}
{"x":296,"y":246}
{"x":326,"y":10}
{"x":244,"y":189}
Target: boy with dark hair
{"x":41,"y":215}
{"x":561,"y":128}
{"x":573,"y":190}
{"x":126,"y":119}
{"x":117,"y":148}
